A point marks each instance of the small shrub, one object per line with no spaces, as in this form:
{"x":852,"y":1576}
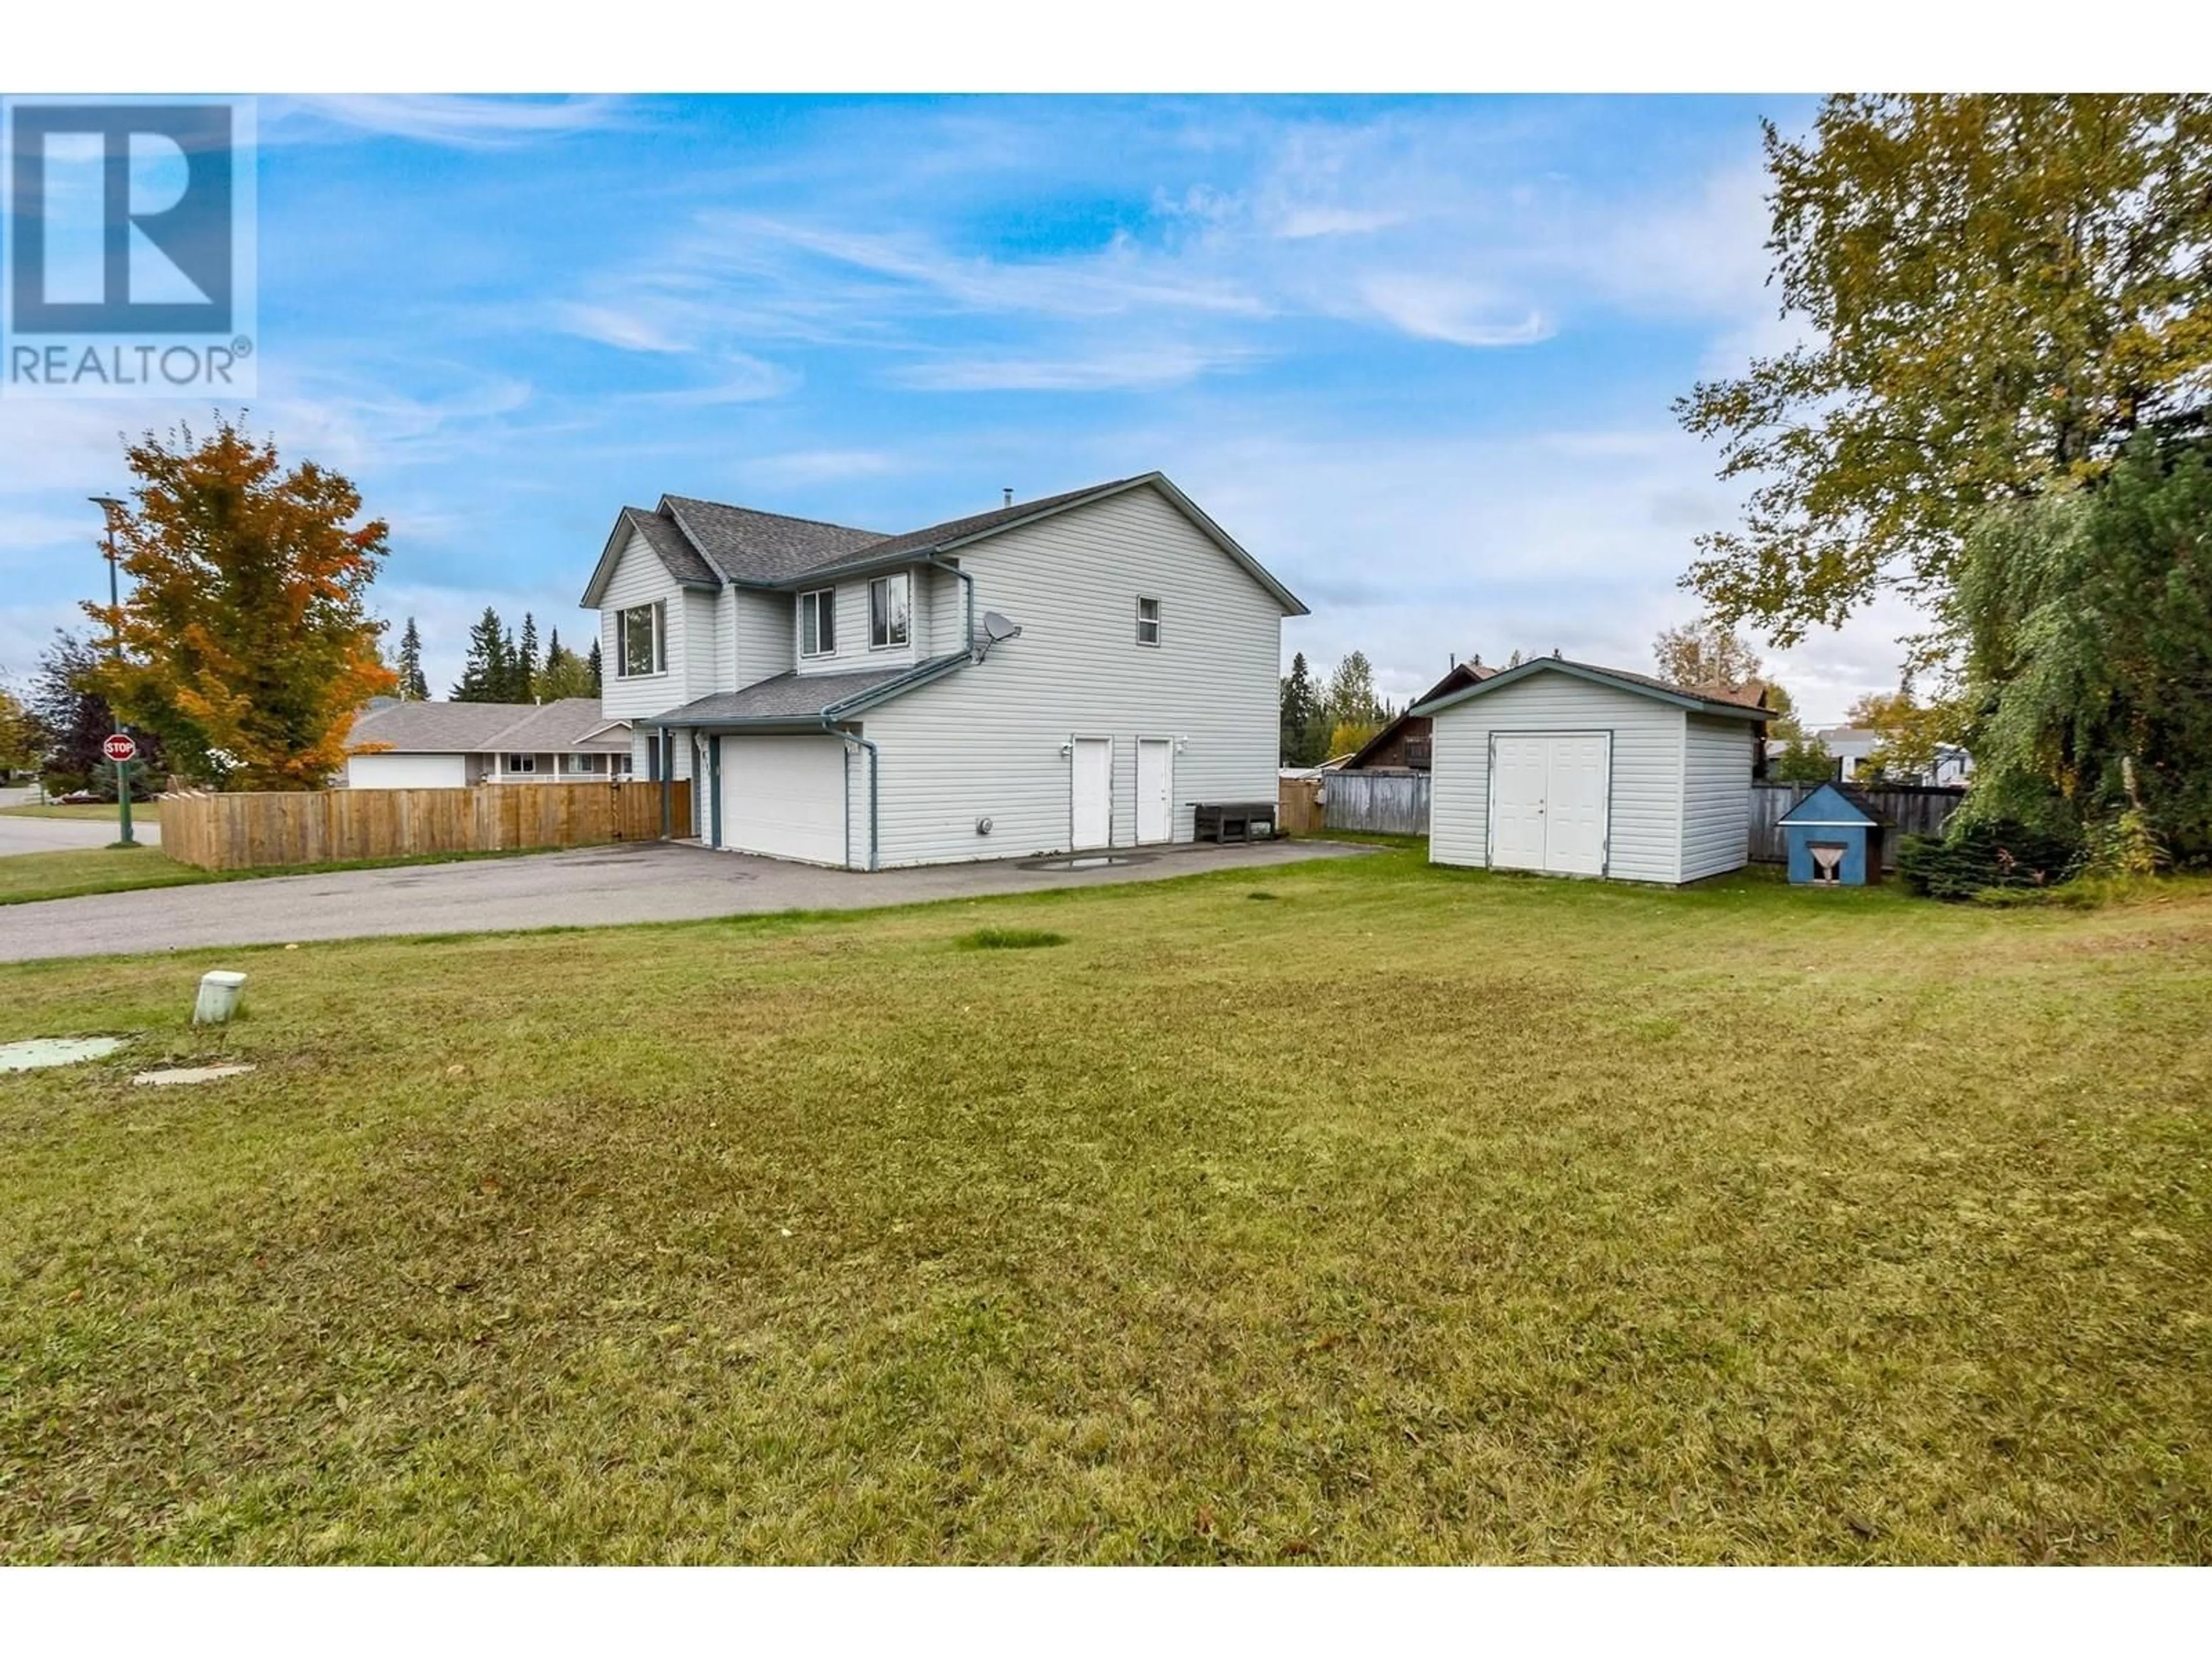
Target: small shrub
{"x":1009,"y":938}
{"x":1976,"y":857}
{"x":1259,"y":893}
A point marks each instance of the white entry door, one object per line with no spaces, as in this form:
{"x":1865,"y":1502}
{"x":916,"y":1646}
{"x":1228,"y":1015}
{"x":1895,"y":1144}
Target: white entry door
{"x":785,"y":796}
{"x":1155,"y":789}
{"x":1549,"y":796}
{"x":1091,"y":793}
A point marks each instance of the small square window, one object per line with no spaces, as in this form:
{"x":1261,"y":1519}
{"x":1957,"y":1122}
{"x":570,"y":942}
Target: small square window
{"x":1148,"y":622}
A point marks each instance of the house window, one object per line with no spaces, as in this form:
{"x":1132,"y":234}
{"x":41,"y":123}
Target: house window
{"x":1148,"y":622}
{"x":887,"y":612}
{"x":642,"y":640}
{"x":585,"y":764}
{"x":521,"y":764}
{"x":817,"y":623}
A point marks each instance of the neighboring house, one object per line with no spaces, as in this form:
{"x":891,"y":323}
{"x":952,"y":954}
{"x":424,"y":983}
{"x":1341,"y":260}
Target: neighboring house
{"x":1574,"y":770}
{"x":447,"y":745}
{"x":1853,"y":746}
{"x":1404,"y":744}
{"x":1055,"y":675}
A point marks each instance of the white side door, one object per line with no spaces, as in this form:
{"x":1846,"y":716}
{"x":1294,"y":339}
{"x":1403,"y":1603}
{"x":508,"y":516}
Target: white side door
{"x":1576,"y":787}
{"x":1091,"y":793}
{"x":785,"y":796}
{"x":1155,"y":789}
{"x":1518,"y":769}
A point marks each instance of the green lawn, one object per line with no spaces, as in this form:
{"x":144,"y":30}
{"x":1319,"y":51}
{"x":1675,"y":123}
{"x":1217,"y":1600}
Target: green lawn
{"x":145,"y":811}
{"x":25,"y":877}
{"x":1354,"y":1212}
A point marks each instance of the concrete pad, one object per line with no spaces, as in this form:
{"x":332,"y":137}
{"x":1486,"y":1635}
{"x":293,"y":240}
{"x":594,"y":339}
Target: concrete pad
{"x":176,"y":1074}
{"x":40,"y":1051}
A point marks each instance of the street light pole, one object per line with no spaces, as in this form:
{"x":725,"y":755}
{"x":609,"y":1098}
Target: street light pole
{"x":111,"y":506}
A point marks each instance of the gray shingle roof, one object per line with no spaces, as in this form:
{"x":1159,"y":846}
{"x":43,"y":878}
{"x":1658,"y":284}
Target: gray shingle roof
{"x":791,"y":697}
{"x":449,"y":728}
{"x":747,"y":546}
{"x":671,"y":547}
{"x":916,"y":542}
{"x":1627,"y":679}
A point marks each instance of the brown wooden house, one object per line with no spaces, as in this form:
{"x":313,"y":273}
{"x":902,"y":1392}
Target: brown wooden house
{"x":1403,"y":744}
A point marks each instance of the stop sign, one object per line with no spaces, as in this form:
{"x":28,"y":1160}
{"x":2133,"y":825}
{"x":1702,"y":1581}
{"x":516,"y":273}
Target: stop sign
{"x":118,"y":747}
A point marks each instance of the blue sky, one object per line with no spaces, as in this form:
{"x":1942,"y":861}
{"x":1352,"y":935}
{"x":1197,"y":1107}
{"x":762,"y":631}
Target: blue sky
{"x":1416,"y":354}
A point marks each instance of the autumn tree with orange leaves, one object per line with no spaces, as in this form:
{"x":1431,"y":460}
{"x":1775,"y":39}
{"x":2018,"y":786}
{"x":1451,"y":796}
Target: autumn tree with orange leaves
{"x":246,"y":644}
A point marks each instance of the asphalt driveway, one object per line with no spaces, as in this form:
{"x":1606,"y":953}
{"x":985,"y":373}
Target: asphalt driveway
{"x":19,"y":835}
{"x":599,"y":886}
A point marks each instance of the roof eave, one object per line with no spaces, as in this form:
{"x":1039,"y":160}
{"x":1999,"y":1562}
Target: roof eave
{"x":1682,"y":699}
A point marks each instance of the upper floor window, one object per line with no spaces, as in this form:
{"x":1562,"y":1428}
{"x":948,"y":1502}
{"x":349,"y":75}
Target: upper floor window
{"x":817,"y":623}
{"x":887,"y":611}
{"x":642,"y":640}
{"x":1148,"y":622}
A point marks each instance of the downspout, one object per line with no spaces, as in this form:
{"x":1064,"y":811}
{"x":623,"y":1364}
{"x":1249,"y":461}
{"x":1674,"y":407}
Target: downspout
{"x":969,"y":582}
{"x":714,"y":787}
{"x":875,"y":761}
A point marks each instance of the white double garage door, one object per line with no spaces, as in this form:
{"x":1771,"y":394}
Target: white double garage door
{"x":1550,"y":799}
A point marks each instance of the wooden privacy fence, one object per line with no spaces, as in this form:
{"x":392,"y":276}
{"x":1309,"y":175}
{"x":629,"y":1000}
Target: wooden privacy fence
{"x":1298,"y":806}
{"x":1384,"y":803}
{"x":341,"y":826}
{"x":1910,"y":809}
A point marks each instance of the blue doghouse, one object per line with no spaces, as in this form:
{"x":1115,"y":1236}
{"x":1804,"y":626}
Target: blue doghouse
{"x":1834,"y":838}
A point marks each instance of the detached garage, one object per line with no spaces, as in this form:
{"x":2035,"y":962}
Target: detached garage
{"x":1571,"y":770}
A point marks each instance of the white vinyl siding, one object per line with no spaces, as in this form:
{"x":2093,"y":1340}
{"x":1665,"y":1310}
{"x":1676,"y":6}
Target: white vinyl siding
{"x":765,"y":645}
{"x":987,"y":740}
{"x":1715,"y":794}
{"x":1645,"y":819}
{"x":854,"y":653}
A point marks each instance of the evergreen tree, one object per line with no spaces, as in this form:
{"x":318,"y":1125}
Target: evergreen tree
{"x":525,"y":663}
{"x":487,"y":673}
{"x":1303,"y":741}
{"x":412,"y":686}
{"x":564,"y":675}
{"x":592,"y":663}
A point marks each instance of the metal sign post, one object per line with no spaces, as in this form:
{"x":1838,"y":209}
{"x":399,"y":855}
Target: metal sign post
{"x":119,"y":747}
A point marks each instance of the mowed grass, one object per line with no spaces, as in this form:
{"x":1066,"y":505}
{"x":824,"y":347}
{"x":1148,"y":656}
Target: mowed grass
{"x":27,"y":878}
{"x":1411,"y":1216}
{"x":144,"y":811}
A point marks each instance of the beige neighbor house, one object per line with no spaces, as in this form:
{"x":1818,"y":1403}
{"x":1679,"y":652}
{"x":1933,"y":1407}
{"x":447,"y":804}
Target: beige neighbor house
{"x":1068,"y":674}
{"x":450,"y":745}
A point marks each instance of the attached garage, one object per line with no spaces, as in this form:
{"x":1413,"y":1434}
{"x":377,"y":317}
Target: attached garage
{"x":782,"y":796}
{"x":1566,"y":769}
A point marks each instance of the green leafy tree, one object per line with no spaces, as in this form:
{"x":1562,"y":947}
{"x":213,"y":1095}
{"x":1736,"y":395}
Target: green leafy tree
{"x":22,"y":740}
{"x":1999,"y":290}
{"x":1351,"y":699}
{"x":1803,"y":759}
{"x":412,"y":685}
{"x":2089,"y":666}
{"x":487,"y":669}
{"x":564,"y":675}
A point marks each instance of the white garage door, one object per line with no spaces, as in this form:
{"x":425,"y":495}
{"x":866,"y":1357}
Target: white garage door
{"x":1548,"y":799}
{"x":785,"y":796}
{"x":391,"y":771}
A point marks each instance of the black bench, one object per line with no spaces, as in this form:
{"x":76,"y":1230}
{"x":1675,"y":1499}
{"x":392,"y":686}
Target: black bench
{"x":1223,"y":821}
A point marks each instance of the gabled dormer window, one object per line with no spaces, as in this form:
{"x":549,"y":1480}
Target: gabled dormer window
{"x":817,"y":623}
{"x":642,"y":641}
{"x":887,"y":612}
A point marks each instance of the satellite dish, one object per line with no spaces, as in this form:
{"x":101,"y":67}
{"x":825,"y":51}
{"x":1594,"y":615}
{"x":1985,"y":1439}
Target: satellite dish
{"x":995,"y":628}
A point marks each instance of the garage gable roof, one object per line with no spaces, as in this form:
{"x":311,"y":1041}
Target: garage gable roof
{"x":1620,"y":680}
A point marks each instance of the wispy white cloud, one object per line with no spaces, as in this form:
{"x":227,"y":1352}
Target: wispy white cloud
{"x":469,"y":123}
{"x":1111,"y":367}
{"x":1439,"y":308}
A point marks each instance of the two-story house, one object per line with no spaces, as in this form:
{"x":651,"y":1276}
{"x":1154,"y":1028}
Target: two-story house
{"x":1053,"y":676}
